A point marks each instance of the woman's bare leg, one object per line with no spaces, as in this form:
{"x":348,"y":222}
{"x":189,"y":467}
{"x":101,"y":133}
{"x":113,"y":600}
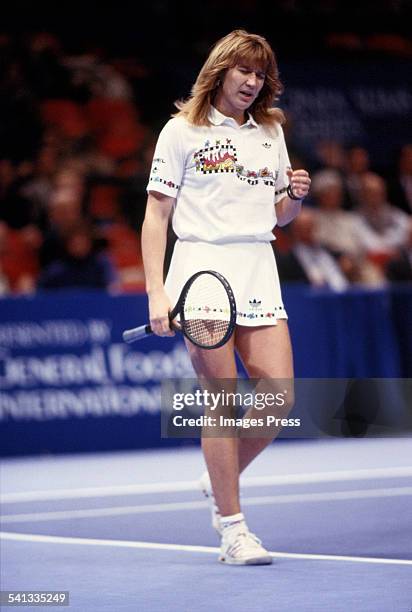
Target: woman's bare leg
{"x":266,"y":353}
{"x":221,"y":453}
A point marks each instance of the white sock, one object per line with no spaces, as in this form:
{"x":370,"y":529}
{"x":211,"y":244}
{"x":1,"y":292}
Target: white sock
{"x":231,"y":521}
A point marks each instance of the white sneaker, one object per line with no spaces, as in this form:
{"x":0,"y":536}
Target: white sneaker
{"x":241,"y":547}
{"x":206,"y":488}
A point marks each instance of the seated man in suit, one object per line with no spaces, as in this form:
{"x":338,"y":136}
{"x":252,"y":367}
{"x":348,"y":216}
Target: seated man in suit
{"x":307,"y":260}
{"x":399,"y":268}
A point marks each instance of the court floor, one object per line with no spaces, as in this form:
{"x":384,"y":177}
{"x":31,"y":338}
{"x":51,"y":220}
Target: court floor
{"x":130,"y":531}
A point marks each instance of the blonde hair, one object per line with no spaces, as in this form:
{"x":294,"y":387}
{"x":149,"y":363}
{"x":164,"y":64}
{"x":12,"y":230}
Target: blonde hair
{"x":238,"y":47}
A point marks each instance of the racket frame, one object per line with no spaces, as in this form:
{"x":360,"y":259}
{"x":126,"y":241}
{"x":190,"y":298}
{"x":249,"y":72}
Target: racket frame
{"x":179,"y":309}
{"x":132,"y":335}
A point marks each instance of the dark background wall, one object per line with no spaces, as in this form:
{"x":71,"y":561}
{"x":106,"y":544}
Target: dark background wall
{"x":317,"y":44}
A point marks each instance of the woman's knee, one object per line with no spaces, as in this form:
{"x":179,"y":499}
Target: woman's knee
{"x":214,"y":363}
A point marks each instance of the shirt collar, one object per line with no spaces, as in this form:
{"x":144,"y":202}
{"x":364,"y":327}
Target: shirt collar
{"x":217,"y":118}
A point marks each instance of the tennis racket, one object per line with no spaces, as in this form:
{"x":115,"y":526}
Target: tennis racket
{"x":207,"y":311}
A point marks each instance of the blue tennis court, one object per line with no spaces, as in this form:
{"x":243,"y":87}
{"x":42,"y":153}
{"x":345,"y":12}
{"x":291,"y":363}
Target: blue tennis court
{"x":131,"y":531}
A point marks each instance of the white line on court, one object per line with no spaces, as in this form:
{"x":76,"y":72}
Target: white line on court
{"x":62,"y":515}
{"x":191,"y":485}
{"x":46,"y":539}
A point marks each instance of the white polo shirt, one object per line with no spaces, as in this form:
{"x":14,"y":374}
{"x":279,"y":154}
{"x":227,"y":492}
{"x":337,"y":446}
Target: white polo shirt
{"x":225,"y":177}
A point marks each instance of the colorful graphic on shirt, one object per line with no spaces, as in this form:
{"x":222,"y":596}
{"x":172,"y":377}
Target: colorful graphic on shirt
{"x":253,"y":177}
{"x":215,"y":158}
{"x":222,"y":158}
{"x":171,"y":184}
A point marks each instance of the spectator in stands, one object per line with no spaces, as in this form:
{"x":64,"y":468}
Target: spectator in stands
{"x":383,"y":227}
{"x":399,"y":268}
{"x":16,"y":210}
{"x":70,"y":179}
{"x":18,"y":259}
{"x":64,"y":214}
{"x":39,"y":187}
{"x":307,"y":260}
{"x":400,"y":183}
{"x":81,"y":266}
{"x":357,"y":163}
{"x":339,"y":230}
{"x":331,"y":154}
{"x":47,"y":75}
{"x":336,"y":228}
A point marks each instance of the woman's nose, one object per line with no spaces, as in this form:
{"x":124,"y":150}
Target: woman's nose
{"x":252,"y":79}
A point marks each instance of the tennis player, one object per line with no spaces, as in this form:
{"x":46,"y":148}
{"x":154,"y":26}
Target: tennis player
{"x":221,"y":166}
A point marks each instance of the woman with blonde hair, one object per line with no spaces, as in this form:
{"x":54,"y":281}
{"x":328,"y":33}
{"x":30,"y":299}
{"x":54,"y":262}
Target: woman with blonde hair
{"x":221,"y":168}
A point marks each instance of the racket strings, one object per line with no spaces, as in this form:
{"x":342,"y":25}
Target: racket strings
{"x":206,"y":332}
{"x":207,"y":311}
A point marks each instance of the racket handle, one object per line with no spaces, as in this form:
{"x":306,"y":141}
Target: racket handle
{"x":131,"y":335}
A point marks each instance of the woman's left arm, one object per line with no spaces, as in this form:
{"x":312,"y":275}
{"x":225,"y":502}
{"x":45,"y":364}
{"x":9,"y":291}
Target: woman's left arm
{"x":288,"y":208}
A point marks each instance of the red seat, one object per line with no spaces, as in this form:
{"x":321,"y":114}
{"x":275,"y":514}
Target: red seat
{"x":104,"y":202}
{"x":115,"y":127}
{"x":67,"y":115}
{"x":125,"y":253}
{"x":18,"y":259}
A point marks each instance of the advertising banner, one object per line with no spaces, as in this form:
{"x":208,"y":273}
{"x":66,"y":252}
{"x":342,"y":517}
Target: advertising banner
{"x":68,"y":383}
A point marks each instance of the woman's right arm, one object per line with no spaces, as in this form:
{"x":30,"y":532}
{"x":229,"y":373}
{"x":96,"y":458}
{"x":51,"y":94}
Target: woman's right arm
{"x":154,"y":236}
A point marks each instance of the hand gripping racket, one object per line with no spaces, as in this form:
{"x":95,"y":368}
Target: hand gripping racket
{"x":207,"y":311}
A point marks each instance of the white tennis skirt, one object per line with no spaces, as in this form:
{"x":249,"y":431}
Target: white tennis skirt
{"x":249,"y":267}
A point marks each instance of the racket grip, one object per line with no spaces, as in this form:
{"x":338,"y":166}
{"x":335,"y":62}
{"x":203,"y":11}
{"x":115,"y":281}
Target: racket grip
{"x":131,"y":335}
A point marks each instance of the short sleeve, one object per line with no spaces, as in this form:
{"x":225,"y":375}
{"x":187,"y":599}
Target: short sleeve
{"x":168,"y":161}
{"x":282,"y":180}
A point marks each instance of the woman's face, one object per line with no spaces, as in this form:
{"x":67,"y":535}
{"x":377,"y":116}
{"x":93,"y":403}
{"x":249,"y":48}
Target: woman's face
{"x":240,"y":88}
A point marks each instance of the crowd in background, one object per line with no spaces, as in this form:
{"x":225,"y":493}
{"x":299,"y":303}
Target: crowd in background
{"x":356,"y":227}
{"x":73,"y":166}
{"x":75,"y":153}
